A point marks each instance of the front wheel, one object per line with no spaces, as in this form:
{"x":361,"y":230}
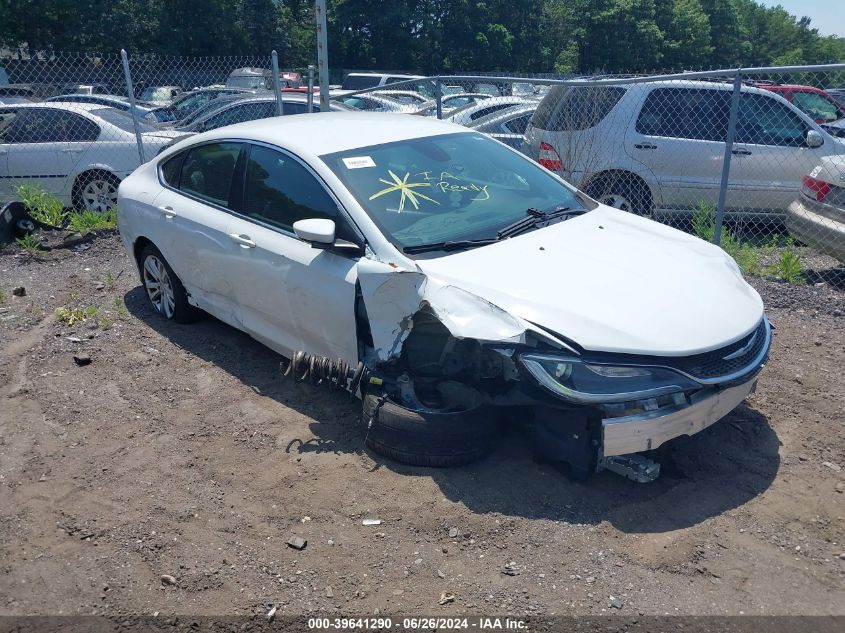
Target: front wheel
{"x":164,"y":290}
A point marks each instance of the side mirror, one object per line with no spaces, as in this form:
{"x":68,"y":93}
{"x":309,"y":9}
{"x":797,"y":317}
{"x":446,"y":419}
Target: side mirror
{"x":814,"y":139}
{"x":318,"y":230}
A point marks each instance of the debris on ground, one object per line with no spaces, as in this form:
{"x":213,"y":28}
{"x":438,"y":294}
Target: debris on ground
{"x":82,"y":359}
{"x":446,"y":598}
{"x":19,"y":291}
{"x":271,"y":614}
{"x":371,"y":522}
{"x":167,"y":579}
{"x":297,"y":543}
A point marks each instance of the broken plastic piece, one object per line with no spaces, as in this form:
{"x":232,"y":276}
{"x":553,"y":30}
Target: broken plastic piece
{"x":371,"y":522}
{"x":633,"y":466}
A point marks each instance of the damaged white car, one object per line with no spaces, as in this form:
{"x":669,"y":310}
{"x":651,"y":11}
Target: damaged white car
{"x":449,"y":282}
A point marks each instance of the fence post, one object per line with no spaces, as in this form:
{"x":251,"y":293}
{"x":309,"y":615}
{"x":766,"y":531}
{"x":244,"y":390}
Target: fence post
{"x":322,"y":54}
{"x":438,"y":96}
{"x":726,"y":162}
{"x":130,"y":91}
{"x":277,"y":87}
{"x":310,"y":88}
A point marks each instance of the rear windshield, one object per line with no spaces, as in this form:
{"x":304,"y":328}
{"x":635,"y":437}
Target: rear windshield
{"x":122,"y":120}
{"x":575,"y":107}
{"x":359,"y":82}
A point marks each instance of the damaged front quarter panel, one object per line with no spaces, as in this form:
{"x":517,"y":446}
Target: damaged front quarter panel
{"x":393,"y":295}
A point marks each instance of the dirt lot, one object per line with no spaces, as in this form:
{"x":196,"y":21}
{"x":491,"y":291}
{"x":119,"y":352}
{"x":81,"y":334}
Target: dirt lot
{"x":179,"y":451}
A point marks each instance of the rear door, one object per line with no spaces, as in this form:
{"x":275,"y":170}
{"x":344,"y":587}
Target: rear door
{"x":189,"y":222}
{"x":293,"y":296}
{"x":680,"y":136}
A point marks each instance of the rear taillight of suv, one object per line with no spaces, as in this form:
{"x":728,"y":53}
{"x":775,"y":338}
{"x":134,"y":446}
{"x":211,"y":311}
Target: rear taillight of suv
{"x":814,"y":188}
{"x":549,"y":157}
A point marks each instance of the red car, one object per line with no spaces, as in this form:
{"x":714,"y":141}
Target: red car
{"x":814,"y":101}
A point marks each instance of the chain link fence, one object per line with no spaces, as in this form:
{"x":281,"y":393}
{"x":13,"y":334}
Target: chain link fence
{"x":749,"y":159}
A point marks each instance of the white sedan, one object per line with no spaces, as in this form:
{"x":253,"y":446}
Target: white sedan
{"x":445,"y":279}
{"x":78,"y":152}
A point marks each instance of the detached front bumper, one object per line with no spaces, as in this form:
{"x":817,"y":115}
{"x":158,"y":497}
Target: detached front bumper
{"x":646,"y":431}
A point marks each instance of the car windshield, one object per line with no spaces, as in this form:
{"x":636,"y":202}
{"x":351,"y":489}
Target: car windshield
{"x":449,"y":187}
{"x":122,"y":120}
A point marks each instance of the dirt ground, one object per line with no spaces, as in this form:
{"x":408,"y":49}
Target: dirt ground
{"x":179,"y":451}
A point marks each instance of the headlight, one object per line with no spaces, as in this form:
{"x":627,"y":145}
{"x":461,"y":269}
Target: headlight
{"x":591,"y":383}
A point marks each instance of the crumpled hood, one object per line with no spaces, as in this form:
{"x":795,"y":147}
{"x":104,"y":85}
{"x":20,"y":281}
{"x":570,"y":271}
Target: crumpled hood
{"x":613,"y":282}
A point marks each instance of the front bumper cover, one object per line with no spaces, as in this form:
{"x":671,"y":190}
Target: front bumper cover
{"x":646,"y":431}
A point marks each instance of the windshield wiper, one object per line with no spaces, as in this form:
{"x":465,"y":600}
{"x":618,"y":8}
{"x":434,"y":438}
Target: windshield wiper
{"x":450,"y":245}
{"x":535,"y":218}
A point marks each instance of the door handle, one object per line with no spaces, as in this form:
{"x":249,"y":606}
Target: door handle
{"x":244,"y":240}
{"x":645,"y":146}
{"x":167,"y":212}
{"x":741,"y":152}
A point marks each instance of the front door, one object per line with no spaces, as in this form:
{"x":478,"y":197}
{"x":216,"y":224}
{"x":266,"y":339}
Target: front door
{"x":770,"y":154}
{"x":293,"y":296}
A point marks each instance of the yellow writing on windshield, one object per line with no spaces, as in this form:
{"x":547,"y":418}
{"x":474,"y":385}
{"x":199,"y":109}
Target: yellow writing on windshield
{"x":448,"y":182}
{"x":406,"y":190}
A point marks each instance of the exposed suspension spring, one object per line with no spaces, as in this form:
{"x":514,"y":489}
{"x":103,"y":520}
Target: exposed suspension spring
{"x":318,"y":370}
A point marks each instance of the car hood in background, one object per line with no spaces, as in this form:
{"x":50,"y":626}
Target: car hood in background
{"x":613,"y":282}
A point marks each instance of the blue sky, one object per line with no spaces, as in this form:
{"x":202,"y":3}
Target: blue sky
{"x":828,"y":16}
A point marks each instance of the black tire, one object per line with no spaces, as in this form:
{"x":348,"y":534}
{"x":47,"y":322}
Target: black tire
{"x":103,"y":198}
{"x":421,"y":438}
{"x":181,"y":311}
{"x":621,"y":192}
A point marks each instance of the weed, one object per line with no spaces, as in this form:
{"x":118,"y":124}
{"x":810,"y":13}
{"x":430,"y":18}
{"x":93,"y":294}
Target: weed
{"x":2,"y":296}
{"x":122,"y":312}
{"x":105,"y":324}
{"x":76,"y":315}
{"x":788,"y":267}
{"x":42,"y":206}
{"x":30,"y":244}
{"x":109,"y":279}
{"x":83,"y":221}
{"x":704,"y":226}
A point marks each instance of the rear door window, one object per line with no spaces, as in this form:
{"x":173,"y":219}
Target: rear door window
{"x":208,"y":170}
{"x":240,"y":113}
{"x":518,"y":125}
{"x":819,"y":108}
{"x":691,"y":113}
{"x":48,"y":125}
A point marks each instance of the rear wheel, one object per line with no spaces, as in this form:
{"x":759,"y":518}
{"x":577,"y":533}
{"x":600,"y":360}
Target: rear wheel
{"x":428,"y":438}
{"x":96,"y":191}
{"x":164,"y":290}
{"x":621,"y":192}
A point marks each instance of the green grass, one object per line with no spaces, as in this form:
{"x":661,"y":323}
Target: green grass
{"x":2,"y":296}
{"x":84,"y":221}
{"x":42,"y":206}
{"x":30,"y":244}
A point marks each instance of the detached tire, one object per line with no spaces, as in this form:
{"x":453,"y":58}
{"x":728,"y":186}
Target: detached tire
{"x":423,"y":438}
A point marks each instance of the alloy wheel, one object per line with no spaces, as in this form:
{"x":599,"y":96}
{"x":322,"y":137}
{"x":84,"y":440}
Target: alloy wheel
{"x":99,"y":195}
{"x":159,"y":286}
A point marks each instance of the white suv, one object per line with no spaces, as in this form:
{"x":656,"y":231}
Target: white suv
{"x":659,"y":147}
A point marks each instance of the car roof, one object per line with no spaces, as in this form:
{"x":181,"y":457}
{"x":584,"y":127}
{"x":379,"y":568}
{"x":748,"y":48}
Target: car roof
{"x":67,"y":105}
{"x":328,"y":132}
